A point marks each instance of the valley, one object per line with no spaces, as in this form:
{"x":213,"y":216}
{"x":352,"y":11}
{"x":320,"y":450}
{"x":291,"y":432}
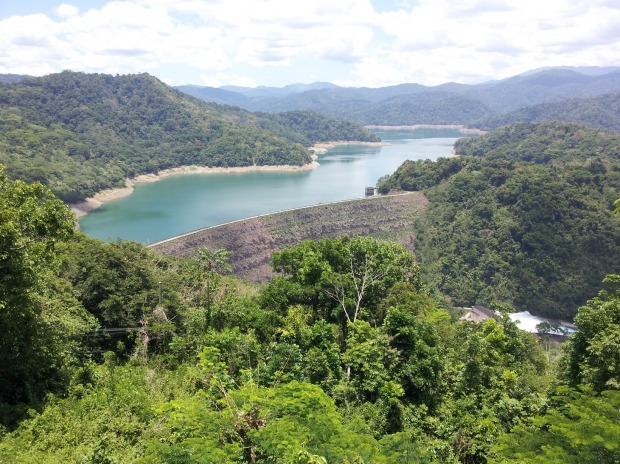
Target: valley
{"x":330,"y":331}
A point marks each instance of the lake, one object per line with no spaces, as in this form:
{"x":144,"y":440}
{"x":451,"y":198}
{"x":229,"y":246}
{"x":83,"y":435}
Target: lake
{"x":179,"y":204}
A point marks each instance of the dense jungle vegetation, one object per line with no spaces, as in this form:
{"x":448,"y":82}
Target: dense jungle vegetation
{"x":345,"y":357}
{"x":354,"y":352}
{"x":81,"y":133}
{"x":522,"y":217}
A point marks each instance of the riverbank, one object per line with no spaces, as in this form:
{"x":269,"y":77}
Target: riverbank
{"x":461,"y":128}
{"x":82,"y":208}
{"x":323,"y":147}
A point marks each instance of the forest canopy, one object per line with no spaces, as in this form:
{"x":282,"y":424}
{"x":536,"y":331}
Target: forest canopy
{"x":113,"y":353}
{"x":521,"y":217}
{"x":81,"y":133}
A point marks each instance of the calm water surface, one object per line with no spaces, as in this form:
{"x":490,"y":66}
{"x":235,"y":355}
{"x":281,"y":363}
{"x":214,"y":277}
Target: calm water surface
{"x":183,"y":203}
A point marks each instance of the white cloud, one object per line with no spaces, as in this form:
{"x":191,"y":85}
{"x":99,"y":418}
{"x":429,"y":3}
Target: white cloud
{"x":65,"y":10}
{"x":223,"y":41}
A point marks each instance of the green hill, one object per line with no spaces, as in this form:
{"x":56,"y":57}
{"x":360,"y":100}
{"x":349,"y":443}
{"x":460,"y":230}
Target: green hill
{"x":81,"y":133}
{"x":523,"y":217}
{"x":601,"y":112}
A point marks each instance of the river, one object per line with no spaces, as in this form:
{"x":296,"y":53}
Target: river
{"x":179,"y":204}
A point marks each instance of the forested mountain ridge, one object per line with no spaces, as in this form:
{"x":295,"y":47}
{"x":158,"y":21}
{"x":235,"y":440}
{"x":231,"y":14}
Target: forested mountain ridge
{"x":309,"y":127}
{"x":450,"y":103}
{"x":600,"y":112}
{"x":81,"y":133}
{"x":522,"y":217}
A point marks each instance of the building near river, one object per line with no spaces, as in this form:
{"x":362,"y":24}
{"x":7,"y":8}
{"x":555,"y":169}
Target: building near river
{"x":478,"y":314}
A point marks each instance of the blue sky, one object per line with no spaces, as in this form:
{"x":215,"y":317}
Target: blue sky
{"x":278,"y":42}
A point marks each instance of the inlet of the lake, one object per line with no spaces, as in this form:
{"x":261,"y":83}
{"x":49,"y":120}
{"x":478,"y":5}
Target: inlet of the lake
{"x":179,"y":204}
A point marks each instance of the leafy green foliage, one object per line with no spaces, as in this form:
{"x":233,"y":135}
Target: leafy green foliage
{"x":80,"y":133}
{"x":541,"y":143}
{"x":578,"y":426}
{"x":592,"y":355}
{"x":40,"y":317}
{"x":279,"y":373}
{"x":289,"y":422}
{"x":107,"y":416}
{"x":344,"y":278}
{"x":524,"y":219}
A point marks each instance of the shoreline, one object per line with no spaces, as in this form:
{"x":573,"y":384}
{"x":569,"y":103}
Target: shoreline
{"x":322,"y":147}
{"x":82,"y":208}
{"x":460,"y":127}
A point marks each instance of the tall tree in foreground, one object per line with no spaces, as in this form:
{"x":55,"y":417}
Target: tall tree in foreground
{"x":593,"y":353}
{"x":38,"y":314}
{"x":343,"y":279}
{"x":578,"y":427}
{"x":214,"y":262}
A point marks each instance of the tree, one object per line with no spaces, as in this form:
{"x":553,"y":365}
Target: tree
{"x":214,"y":262}
{"x":592,"y":354}
{"x":579,"y":427}
{"x":38,"y":313}
{"x":345,"y":278}
{"x":293,"y":422}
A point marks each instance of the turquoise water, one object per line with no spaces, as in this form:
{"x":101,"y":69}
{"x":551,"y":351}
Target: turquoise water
{"x":183,"y":203}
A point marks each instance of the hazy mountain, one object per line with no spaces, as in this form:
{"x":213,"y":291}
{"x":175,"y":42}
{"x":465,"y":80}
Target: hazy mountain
{"x":214,"y":95}
{"x":588,"y":70}
{"x":601,"y":112}
{"x":449,"y":103}
{"x":268,"y":92}
{"x":12,"y":78}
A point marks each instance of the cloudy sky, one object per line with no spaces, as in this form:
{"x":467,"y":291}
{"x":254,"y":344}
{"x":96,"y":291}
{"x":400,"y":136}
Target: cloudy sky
{"x":277,"y":42}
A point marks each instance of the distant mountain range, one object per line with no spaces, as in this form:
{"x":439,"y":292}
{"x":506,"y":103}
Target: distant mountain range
{"x":585,"y":95}
{"x":12,"y":78}
{"x":600,"y":112}
{"x":538,"y":95}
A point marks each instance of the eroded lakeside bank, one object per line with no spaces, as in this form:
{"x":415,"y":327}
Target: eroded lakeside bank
{"x":90,"y":204}
{"x":460,"y":127}
{"x":253,"y":240}
{"x":82,"y":208}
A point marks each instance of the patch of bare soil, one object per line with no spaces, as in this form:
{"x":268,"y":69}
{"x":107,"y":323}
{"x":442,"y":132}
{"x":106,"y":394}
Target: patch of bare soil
{"x":253,"y":240}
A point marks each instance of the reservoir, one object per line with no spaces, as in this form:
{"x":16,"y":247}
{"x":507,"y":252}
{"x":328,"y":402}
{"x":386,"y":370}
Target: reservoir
{"x":182,"y":203}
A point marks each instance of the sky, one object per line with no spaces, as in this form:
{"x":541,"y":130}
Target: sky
{"x":355,"y":43}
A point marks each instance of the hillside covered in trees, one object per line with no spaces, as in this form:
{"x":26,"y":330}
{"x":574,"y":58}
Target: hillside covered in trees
{"x":600,"y":112}
{"x":112,"y":353}
{"x":81,"y":133}
{"x":521,"y":217}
